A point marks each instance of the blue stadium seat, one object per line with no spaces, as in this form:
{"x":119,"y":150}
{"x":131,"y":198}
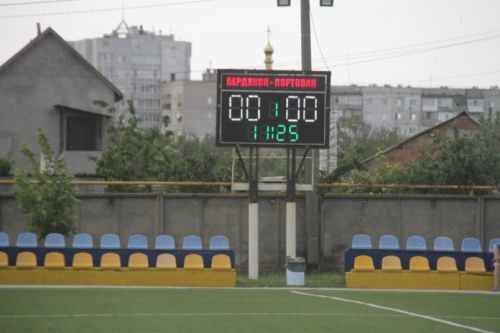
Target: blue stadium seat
{"x":137,"y":242}
{"x":192,"y":242}
{"x":83,"y":241}
{"x":55,"y":241}
{"x":388,"y":242}
{"x":416,"y":243}
{"x":165,"y":242}
{"x":493,"y":242}
{"x":110,"y":241}
{"x":361,"y":241}
{"x":471,"y":244}
{"x":4,"y":240}
{"x":443,"y":244}
{"x":219,"y":242}
{"x":27,"y":240}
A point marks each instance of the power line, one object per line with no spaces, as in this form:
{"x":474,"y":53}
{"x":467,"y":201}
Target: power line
{"x":107,"y":9}
{"x":34,"y":3}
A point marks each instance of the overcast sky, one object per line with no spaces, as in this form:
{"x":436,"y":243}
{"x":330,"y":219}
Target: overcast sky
{"x":421,"y":43}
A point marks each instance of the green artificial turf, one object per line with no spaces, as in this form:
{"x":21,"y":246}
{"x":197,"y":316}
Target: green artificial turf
{"x":242,"y":310}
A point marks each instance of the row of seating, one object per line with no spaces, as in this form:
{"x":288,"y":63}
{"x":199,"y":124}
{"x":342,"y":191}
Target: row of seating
{"x":83,"y":260}
{"x":418,"y":243}
{"x":112,"y":241}
{"x":364,"y":263}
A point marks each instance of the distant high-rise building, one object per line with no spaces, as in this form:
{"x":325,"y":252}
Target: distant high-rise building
{"x":138,"y":62}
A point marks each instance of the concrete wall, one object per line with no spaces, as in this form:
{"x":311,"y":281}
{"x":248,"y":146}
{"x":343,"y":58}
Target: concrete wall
{"x":341,"y":217}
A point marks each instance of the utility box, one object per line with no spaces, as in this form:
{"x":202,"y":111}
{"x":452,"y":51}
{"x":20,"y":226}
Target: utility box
{"x":295,"y":271}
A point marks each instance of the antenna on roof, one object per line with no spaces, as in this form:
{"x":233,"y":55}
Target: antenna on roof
{"x":38,"y":29}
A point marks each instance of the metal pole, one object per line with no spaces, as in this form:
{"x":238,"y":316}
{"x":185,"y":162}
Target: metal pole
{"x":305,"y":28}
{"x":253,"y":218}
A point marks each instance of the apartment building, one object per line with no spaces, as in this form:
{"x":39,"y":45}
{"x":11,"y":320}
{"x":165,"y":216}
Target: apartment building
{"x":138,"y":62}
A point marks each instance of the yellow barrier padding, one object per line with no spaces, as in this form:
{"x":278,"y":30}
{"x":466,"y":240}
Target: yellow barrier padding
{"x":402,"y":280}
{"x":120,"y":277}
{"x":471,"y":281}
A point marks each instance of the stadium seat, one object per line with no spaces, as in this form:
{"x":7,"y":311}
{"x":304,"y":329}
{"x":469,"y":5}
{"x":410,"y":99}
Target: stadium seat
{"x":192,"y":242}
{"x":165,"y":242}
{"x":166,"y":261}
{"x":388,"y":242}
{"x":26,"y":260}
{"x":363,"y":263}
{"x":391,"y":263}
{"x":4,"y":259}
{"x":443,"y":244}
{"x":83,"y":241}
{"x":110,"y":261}
{"x":54,"y":260}
{"x":110,"y":241}
{"x":26,"y":240}
{"x":138,"y":261}
{"x":221,"y":261}
{"x":419,"y":264}
{"x":493,"y":242}
{"x":446,"y":264}
{"x":193,"y":261}
{"x":4,"y":240}
{"x":83,"y":260}
{"x":471,"y":245}
{"x":55,"y":241}
{"x":219,"y":242}
{"x":361,"y":241}
{"x":474,"y":265}
{"x":137,"y":242}
{"x":416,"y":243}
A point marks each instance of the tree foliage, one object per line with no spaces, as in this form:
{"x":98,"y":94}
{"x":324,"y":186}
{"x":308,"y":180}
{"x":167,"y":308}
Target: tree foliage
{"x":6,"y":164}
{"x":51,"y":200}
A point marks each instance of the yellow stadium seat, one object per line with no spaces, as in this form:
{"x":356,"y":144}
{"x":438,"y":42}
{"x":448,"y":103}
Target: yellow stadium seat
{"x":447,"y":264}
{"x":391,"y":263}
{"x":110,"y":261}
{"x":193,"y":261}
{"x":83,"y":260}
{"x":363,"y":263}
{"x":26,"y":260}
{"x":138,"y":261}
{"x":221,"y":261}
{"x":419,"y":264}
{"x":166,"y":261}
{"x":4,"y":259}
{"x":54,"y":260}
{"x":474,"y":265}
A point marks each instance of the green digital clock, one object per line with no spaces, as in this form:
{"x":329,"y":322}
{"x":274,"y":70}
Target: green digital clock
{"x":273,"y":108}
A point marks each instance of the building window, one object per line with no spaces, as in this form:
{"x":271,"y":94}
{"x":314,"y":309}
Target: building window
{"x":369,"y":101}
{"x":413,"y":102}
{"x":428,"y":115}
{"x":397,"y":116}
{"x":83,"y":133}
{"x":413,"y":116}
{"x":399,"y":103}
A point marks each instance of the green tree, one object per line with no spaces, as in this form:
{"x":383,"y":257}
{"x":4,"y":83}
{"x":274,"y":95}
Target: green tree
{"x":135,"y":155}
{"x":51,"y":200}
{"x":6,"y":164}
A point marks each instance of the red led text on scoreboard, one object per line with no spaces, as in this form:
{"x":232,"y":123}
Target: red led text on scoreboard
{"x":264,"y":82}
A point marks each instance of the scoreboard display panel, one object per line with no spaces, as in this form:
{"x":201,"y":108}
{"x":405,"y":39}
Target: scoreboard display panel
{"x":273,"y":108}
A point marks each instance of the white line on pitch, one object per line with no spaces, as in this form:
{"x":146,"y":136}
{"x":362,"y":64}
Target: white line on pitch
{"x":475,"y":329}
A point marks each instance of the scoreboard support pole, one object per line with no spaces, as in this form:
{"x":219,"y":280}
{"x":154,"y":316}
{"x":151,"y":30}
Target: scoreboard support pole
{"x":291,"y":205}
{"x":253,"y":216}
